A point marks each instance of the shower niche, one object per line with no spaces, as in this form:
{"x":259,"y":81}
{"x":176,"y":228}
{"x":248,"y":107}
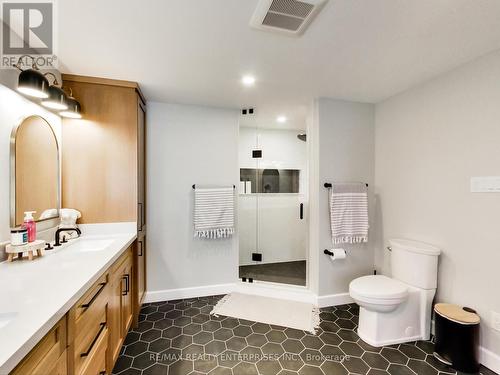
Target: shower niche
{"x":271,"y":181}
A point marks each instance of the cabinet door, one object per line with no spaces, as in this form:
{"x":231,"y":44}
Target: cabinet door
{"x":116,"y":336}
{"x":116,"y":307}
{"x":49,"y":356}
{"x":126,"y":304}
{"x":141,"y":270}
{"x":141,"y":166}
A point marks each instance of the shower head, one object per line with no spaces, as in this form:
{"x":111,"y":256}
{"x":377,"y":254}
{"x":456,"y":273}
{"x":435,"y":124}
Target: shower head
{"x":302,"y":136}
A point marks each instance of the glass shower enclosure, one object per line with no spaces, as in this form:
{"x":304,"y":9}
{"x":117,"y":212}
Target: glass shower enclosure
{"x":272,"y":205}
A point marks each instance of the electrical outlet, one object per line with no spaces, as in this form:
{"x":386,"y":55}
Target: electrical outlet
{"x":495,"y":318}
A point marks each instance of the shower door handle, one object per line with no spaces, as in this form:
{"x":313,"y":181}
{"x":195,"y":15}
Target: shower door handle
{"x":301,"y":211}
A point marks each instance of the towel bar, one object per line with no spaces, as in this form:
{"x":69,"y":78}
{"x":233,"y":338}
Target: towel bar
{"x":194,"y":186}
{"x":329,"y":185}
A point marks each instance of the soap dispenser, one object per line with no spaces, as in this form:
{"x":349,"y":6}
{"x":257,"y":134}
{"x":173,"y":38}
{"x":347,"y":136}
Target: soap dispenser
{"x":30,"y":225}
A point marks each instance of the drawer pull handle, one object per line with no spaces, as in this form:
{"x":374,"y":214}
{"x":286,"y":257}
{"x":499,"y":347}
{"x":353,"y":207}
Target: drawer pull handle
{"x":92,"y":300}
{"x":102,"y":373}
{"x":141,"y":253}
{"x":103,"y":325}
{"x":141,"y":225}
{"x":127,"y":284}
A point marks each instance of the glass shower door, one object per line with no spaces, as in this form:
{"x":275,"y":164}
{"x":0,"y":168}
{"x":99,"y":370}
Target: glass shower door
{"x":273,"y":223}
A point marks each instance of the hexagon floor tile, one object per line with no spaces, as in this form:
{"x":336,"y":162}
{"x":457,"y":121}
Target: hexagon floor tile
{"x":181,"y":338}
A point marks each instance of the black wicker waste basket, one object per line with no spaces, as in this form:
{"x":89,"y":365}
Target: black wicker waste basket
{"x":457,"y":337}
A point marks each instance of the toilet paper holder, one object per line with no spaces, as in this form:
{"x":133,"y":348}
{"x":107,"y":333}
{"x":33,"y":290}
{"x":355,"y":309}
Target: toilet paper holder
{"x":329,"y":253}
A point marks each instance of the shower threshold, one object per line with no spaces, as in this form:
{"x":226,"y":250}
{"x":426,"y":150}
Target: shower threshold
{"x":293,"y":273}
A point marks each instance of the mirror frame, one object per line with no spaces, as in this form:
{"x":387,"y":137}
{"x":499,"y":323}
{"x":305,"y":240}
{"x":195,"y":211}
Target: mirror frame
{"x":13,"y":171}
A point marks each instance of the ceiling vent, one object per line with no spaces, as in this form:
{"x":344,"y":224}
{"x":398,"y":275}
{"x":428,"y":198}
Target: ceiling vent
{"x":289,"y":17}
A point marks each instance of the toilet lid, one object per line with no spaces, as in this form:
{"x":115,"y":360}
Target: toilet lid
{"x":379,"y":287}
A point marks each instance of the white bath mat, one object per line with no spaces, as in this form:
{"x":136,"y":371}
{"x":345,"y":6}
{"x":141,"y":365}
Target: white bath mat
{"x":292,"y":314}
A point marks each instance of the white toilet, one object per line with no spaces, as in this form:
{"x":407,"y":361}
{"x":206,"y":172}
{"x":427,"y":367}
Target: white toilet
{"x":398,"y":309}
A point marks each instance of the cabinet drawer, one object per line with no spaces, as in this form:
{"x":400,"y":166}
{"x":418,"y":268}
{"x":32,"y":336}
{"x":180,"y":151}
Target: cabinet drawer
{"x":49,"y":356}
{"x":92,"y":300}
{"x":96,"y":362}
{"x":88,"y":339}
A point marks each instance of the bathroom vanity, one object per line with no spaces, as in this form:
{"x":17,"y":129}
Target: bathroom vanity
{"x":70,"y":310}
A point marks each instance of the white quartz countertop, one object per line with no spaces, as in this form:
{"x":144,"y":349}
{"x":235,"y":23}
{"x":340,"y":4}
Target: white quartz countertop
{"x":34,"y":295}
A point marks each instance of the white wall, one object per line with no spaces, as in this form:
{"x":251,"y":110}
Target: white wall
{"x":342,"y":150}
{"x":282,"y":235}
{"x":13,"y":109}
{"x":282,"y":148}
{"x":429,"y":142}
{"x":187,"y":145}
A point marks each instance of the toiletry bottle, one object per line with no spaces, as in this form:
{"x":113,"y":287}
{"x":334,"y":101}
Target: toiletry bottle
{"x":30,"y":225}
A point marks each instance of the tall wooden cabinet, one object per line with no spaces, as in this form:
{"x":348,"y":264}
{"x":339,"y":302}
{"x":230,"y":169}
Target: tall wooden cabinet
{"x":141,"y":167}
{"x":103,"y":162}
{"x":104,"y":175}
{"x":140,"y":250}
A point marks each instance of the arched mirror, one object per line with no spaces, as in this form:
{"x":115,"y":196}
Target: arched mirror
{"x":34,"y":171}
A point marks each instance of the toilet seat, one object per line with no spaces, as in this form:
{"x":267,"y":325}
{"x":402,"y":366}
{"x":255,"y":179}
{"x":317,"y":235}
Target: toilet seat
{"x":378,"y":290}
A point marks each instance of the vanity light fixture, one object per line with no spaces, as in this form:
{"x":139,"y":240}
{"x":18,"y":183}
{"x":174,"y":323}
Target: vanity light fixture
{"x":32,"y":82}
{"x":57,"y":97}
{"x":74,"y":109}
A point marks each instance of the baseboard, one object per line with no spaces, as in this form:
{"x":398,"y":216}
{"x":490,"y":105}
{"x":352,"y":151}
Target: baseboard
{"x":290,"y":292}
{"x":334,"y":299}
{"x":489,"y":359}
{"x":199,"y":291}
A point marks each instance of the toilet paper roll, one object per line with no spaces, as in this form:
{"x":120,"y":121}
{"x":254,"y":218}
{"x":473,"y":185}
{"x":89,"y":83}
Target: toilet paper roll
{"x":337,"y":254}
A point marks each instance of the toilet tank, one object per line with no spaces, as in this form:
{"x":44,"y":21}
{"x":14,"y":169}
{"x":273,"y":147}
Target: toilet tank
{"x":414,"y":263}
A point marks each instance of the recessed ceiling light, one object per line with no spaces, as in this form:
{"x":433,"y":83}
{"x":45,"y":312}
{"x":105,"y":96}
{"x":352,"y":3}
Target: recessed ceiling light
{"x":248,"y":80}
{"x":281,"y":119}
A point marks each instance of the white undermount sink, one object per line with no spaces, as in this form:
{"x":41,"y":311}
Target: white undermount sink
{"x":6,"y":318}
{"x":91,"y":245}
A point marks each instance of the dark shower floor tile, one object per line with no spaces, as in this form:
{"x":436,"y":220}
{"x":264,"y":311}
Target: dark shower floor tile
{"x":284,"y":272}
{"x":196,"y":343}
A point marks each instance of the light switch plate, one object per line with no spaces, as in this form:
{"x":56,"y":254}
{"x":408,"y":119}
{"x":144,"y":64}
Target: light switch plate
{"x":489,"y":184}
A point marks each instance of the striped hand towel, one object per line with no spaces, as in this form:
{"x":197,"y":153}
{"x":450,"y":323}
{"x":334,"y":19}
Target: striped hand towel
{"x":213,"y":212}
{"x":349,"y":213}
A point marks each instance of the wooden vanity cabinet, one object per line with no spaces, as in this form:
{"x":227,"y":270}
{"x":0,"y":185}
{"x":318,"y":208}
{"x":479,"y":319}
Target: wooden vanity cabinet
{"x":87,"y":341}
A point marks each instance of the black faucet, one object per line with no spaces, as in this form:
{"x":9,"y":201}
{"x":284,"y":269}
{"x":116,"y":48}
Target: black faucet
{"x":60,"y":230}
